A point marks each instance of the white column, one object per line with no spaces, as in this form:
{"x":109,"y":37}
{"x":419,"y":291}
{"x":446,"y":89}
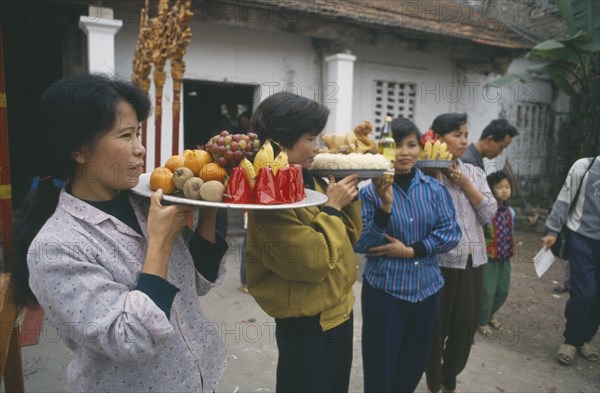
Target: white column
{"x":340,"y":73}
{"x":100,"y":28}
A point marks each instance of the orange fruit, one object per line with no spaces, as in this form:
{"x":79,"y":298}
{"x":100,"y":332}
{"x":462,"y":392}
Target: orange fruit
{"x":212,"y":171}
{"x":162,"y":177}
{"x":175,"y":162}
{"x":196,"y":159}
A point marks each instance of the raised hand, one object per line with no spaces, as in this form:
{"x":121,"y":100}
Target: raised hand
{"x":165,"y":223}
{"x":455,"y":175}
{"x":385,"y":191}
{"x":341,"y":193}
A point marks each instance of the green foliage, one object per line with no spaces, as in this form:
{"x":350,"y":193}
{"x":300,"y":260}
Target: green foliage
{"x":586,"y":17}
{"x":573,"y":65}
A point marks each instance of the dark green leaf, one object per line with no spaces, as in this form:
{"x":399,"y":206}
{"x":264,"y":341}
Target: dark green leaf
{"x":564,"y":6}
{"x":549,"y":45}
{"x":563,"y":84}
{"x":580,"y":37}
{"x":595,"y":93}
{"x":551,"y":50}
{"x":586,"y":17}
{"x":590,"y":47}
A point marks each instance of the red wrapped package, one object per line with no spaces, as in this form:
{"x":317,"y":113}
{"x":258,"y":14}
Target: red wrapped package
{"x":284,"y":186}
{"x":264,"y":189}
{"x":298,"y":180}
{"x":238,"y":189}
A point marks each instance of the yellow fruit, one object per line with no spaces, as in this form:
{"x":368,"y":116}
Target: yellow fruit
{"x":269,"y":149}
{"x":196,"y":159}
{"x":427,"y":150}
{"x":162,"y":177}
{"x":175,"y":162}
{"x":281,"y":161}
{"x":249,"y":170}
{"x":443,"y":150}
{"x":435,"y":150}
{"x":445,"y":155}
{"x":265,"y":157}
{"x":212,"y":171}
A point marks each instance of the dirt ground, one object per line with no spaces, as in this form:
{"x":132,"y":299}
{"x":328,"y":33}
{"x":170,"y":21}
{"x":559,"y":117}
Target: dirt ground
{"x":521,"y":357}
{"x":533,"y":316}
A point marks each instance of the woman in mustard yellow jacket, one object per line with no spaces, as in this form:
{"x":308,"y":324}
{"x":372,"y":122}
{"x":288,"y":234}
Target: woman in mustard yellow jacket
{"x":300,"y":262}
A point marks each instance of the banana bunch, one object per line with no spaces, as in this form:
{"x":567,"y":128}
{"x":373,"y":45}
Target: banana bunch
{"x":249,"y":170}
{"x":281,"y":161}
{"x":264,"y":159}
{"x":435,"y":151}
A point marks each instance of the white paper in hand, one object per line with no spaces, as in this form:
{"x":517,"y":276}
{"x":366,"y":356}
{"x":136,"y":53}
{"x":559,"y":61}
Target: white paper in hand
{"x":542,"y":261}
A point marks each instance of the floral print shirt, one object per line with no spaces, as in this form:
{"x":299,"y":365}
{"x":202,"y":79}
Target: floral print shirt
{"x":84,"y":265}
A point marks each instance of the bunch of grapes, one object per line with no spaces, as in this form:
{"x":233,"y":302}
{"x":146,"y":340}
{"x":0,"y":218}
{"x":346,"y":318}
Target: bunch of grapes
{"x":229,"y":149}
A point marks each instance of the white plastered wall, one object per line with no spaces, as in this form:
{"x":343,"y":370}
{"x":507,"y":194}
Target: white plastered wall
{"x":272,"y":61}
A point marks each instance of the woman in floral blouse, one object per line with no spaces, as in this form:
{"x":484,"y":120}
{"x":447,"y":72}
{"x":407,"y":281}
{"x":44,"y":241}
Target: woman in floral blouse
{"x":460,"y":298}
{"x":118,"y":275}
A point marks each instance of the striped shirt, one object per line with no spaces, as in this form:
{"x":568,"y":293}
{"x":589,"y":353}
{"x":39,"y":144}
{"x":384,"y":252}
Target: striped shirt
{"x":423,"y":214}
{"x":471,"y":220}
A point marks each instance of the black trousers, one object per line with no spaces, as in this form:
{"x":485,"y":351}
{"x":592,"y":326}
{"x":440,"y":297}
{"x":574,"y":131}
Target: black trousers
{"x":396,"y":338}
{"x":458,"y":318}
{"x":313,"y":360}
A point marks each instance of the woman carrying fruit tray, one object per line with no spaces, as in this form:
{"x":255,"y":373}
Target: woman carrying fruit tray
{"x":460,"y":297}
{"x":300,"y":262}
{"x":117,"y":274}
{"x":406,"y":225}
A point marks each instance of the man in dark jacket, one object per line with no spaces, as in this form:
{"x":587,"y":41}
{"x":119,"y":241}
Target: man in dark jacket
{"x":495,"y":137}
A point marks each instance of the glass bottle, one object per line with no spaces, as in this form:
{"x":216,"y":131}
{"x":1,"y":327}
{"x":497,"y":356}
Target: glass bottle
{"x":386,"y":145}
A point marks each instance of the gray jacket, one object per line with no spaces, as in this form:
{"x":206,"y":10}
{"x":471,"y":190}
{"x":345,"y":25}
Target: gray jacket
{"x":473,"y":157}
{"x":585,"y":217}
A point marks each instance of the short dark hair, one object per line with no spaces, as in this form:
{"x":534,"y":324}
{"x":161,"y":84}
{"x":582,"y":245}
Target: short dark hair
{"x":284,"y":117}
{"x":498,"y":129}
{"x":402,"y":127}
{"x":74,"y":112}
{"x":448,"y":122}
{"x":496,"y":177}
{"x":77,"y":111}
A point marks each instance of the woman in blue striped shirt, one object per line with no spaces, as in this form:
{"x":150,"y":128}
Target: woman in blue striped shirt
{"x":405,"y":224}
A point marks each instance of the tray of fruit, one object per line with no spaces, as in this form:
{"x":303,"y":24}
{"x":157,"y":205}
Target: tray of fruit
{"x":213,"y":177}
{"x":434,"y":164}
{"x":434,"y":154}
{"x":313,"y":198}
